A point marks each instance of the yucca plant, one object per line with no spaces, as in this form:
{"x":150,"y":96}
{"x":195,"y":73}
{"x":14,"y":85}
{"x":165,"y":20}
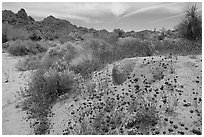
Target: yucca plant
{"x":191,"y":25}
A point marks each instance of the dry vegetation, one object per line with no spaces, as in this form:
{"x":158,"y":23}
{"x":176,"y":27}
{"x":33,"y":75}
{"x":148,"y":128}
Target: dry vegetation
{"x":66,"y":68}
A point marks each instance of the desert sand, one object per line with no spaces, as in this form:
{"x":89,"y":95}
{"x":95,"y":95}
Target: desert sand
{"x":13,"y":118}
{"x":187,"y":110}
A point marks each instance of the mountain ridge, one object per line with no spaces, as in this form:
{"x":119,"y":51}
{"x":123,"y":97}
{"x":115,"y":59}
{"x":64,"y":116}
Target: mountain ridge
{"x":51,"y":28}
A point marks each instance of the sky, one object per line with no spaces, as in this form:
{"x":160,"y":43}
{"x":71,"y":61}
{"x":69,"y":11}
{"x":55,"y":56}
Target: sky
{"x":127,"y":16}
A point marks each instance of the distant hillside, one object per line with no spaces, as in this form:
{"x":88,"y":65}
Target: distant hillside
{"x":20,"y":18}
{"x":51,"y":28}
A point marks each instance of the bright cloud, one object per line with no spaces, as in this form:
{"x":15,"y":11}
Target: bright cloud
{"x":150,"y":7}
{"x":119,"y":8}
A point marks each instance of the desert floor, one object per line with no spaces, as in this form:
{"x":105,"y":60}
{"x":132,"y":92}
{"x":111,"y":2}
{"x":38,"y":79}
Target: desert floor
{"x":188,"y":69}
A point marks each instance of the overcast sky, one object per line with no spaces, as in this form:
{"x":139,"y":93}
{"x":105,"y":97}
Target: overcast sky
{"x":127,"y":16}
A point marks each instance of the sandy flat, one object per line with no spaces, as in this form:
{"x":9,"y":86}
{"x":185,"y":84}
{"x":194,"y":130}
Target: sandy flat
{"x":13,"y":119}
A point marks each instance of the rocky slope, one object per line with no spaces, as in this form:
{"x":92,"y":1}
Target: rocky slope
{"x":48,"y":27}
{"x":149,"y":95}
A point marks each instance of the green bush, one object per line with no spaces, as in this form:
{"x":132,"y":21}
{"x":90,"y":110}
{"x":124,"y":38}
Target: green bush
{"x":191,"y":26}
{"x":20,"y":48}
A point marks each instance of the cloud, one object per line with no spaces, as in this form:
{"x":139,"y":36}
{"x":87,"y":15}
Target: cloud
{"x":78,"y":11}
{"x":153,"y":6}
{"x":42,"y":14}
{"x":167,"y":18}
{"x":176,"y":10}
{"x":119,"y":8}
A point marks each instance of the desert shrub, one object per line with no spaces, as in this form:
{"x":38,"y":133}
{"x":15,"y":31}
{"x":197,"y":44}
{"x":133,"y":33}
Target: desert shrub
{"x":65,"y":38}
{"x":67,"y":51}
{"x":30,"y":62}
{"x":99,"y":49}
{"x":50,"y":35}
{"x":4,"y":38}
{"x":12,"y":33}
{"x":120,"y":33}
{"x":35,"y":36}
{"x":144,"y":119}
{"x":131,"y":47}
{"x":162,"y":34}
{"x":17,"y":48}
{"x":93,"y":56}
{"x":191,"y":26}
{"x":48,"y":44}
{"x":178,"y":47}
{"x":86,"y":67}
{"x":45,"y":87}
{"x":109,"y":37}
{"x":87,"y":36}
{"x":5,"y":46}
{"x":141,"y":117}
{"x":20,"y":48}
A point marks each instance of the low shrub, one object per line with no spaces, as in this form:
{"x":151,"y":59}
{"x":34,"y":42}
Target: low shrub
{"x":100,"y":49}
{"x":108,"y":37}
{"x":86,"y":67}
{"x":178,"y":47}
{"x":30,"y":62}
{"x":45,"y":87}
{"x":35,"y":36}
{"x":21,"y":48}
{"x":145,"y":117}
{"x":93,"y":55}
{"x":66,"y":52}
{"x":132,"y":47}
{"x":10,"y":33}
{"x":5,"y":46}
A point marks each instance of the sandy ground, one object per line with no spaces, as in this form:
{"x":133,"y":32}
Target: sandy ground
{"x":13,"y":119}
{"x":188,"y":70}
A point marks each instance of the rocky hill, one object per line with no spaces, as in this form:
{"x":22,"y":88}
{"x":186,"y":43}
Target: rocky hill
{"x":20,"y":18}
{"x":48,"y":26}
{"x":53,"y":28}
{"x":150,"y":95}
